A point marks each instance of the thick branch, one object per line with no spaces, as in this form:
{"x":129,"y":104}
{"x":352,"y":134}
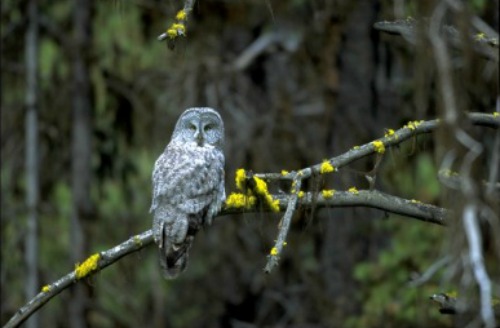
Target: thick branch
{"x":289,"y":203}
{"x":374,"y":199}
{"x":364,"y":198}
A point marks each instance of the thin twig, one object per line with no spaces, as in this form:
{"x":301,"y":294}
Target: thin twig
{"x":431,"y":271}
{"x":273,"y":257}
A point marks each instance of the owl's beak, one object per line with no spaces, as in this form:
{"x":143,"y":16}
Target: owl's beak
{"x":198,"y":136}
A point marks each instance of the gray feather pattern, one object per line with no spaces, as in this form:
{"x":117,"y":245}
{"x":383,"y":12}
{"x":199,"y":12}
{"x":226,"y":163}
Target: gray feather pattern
{"x":188,"y":186}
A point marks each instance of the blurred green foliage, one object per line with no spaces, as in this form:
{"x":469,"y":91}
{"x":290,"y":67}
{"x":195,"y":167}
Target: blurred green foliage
{"x":384,"y":281}
{"x":384,"y":287}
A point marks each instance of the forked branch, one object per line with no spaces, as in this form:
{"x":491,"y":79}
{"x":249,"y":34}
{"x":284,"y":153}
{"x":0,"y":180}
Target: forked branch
{"x":288,"y":204}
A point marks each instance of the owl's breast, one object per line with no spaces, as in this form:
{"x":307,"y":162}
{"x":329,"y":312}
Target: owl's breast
{"x":188,"y":176}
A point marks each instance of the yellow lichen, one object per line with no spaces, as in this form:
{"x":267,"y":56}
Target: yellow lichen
{"x":379,"y":146}
{"x":389,"y":133}
{"x":89,"y":265}
{"x":412,"y":125}
{"x":137,"y":240}
{"x":353,"y":190}
{"x":300,"y":194}
{"x":46,"y":288}
{"x":326,"y":167}
{"x":260,"y":186}
{"x":414,"y":201}
{"x":496,"y":114}
{"x":180,"y":28}
{"x":355,"y":147}
{"x":237,"y":200}
{"x":274,"y":204}
{"x":181,"y":15}
{"x":284,"y":172}
{"x":262,"y":191}
{"x":480,"y":36}
{"x":172,"y":33}
{"x":240,"y":179}
{"x":274,"y":251}
{"x":328,"y":193}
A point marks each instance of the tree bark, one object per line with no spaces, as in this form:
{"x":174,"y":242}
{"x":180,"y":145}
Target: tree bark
{"x":356,"y":99}
{"x":81,"y":151}
{"x":32,"y":157}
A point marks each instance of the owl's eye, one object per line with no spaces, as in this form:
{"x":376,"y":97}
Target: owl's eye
{"x":192,"y":127}
{"x":209,"y":127}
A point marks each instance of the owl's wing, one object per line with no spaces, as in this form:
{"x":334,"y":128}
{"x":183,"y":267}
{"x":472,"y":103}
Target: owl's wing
{"x":168,"y":174}
{"x":219,"y":194}
{"x":159,"y":171}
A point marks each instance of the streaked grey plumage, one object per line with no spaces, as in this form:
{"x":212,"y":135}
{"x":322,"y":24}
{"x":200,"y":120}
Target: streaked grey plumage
{"x":188,"y":186}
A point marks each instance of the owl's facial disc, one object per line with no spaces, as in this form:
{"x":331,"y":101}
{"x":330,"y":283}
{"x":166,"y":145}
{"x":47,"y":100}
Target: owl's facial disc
{"x":202,"y":126}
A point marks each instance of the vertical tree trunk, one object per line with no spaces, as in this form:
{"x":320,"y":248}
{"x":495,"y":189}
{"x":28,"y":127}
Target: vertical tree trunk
{"x":81,"y":152}
{"x":356,"y":99}
{"x":32,"y":185}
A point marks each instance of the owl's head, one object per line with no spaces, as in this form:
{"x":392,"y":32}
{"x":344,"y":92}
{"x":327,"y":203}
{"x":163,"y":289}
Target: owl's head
{"x":202,"y":125}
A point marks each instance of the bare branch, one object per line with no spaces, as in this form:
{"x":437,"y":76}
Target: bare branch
{"x":468,"y":185}
{"x":485,"y":42}
{"x":471,"y":228}
{"x":430,"y":271}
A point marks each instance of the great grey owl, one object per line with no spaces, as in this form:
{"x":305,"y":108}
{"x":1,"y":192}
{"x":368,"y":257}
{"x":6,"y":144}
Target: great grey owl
{"x":188,"y":186}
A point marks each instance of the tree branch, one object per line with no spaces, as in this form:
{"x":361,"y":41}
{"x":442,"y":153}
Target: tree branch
{"x":391,"y":138}
{"x":107,"y":258}
{"x":288,"y":204}
{"x":284,"y":225}
{"x":484,"y":42}
{"x":374,"y":199}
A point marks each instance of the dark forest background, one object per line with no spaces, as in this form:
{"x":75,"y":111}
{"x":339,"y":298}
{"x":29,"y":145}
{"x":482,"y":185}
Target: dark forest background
{"x":295,"y":82}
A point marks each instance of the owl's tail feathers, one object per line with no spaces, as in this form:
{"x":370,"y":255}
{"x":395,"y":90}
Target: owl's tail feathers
{"x":174,"y":258}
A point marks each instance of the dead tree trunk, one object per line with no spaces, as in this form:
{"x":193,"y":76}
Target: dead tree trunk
{"x":32,"y":183}
{"x":81,"y":151}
